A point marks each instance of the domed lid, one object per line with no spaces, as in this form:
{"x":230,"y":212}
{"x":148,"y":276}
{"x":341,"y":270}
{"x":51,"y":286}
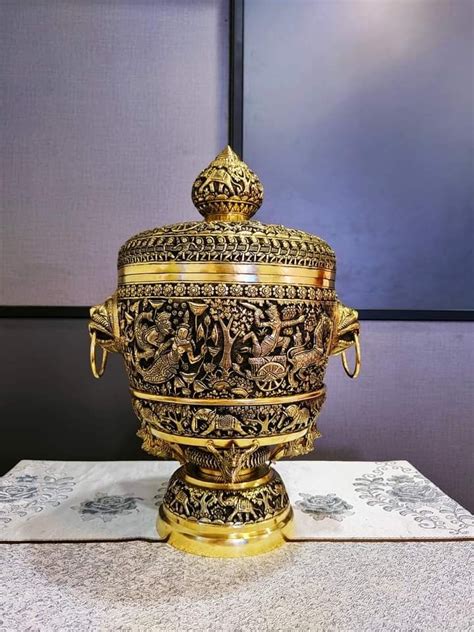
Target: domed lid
{"x":227,"y":193}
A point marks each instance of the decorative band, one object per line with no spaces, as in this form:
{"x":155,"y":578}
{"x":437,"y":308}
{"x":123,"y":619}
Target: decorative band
{"x":254,"y":401}
{"x":226,"y":443}
{"x":256,"y":482}
{"x":248,"y":291}
{"x":225,"y":272}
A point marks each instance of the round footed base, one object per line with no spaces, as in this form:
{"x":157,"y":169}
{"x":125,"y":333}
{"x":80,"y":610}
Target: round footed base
{"x":204,"y":515}
{"x":224,"y":540}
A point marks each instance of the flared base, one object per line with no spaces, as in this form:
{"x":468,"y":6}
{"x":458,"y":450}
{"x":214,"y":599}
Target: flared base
{"x":218,"y":519}
{"x":224,"y":541}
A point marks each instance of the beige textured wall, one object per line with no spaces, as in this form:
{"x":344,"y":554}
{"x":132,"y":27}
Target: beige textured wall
{"x":109,"y":111}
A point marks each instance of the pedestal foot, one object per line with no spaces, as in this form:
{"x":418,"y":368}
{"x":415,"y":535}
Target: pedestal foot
{"x":212,"y":518}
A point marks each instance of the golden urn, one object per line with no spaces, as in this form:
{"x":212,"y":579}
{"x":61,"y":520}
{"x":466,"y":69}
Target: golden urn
{"x":226,"y":326}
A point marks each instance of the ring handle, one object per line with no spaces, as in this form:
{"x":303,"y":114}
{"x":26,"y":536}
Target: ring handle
{"x":97,"y":373}
{"x":356,"y":370}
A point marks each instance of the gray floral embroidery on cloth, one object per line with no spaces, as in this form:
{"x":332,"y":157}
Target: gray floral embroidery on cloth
{"x":158,"y":498}
{"x":107,"y":507}
{"x":26,"y":494}
{"x":321,"y":507}
{"x":409,"y":493}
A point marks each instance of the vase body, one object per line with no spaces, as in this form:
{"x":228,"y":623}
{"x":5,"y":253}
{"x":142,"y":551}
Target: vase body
{"x":225,"y":326}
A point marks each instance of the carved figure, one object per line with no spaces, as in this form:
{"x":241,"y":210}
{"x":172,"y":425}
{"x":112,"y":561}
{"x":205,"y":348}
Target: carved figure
{"x":274,"y":340}
{"x":152,"y":339}
{"x":166,"y":366}
{"x":346,"y":328}
{"x":231,"y":460}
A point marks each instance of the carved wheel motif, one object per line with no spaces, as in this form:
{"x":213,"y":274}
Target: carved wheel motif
{"x":270,"y":374}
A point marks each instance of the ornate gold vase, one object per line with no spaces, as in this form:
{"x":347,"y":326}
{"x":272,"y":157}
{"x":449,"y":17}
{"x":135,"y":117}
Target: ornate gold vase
{"x":225,"y":326}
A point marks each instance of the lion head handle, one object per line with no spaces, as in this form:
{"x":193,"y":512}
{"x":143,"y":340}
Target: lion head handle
{"x":104,"y":331}
{"x":346,"y":334}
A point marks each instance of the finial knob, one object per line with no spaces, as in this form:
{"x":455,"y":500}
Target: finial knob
{"x":227,"y":190}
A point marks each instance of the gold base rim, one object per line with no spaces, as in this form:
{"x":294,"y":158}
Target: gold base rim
{"x":229,"y":541}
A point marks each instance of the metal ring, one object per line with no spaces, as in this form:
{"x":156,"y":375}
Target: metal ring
{"x":97,"y":373}
{"x":356,"y":371}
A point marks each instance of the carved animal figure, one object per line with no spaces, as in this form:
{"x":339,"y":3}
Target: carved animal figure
{"x":300,"y":446}
{"x":243,"y":507}
{"x":153,"y":445}
{"x":219,"y":177}
{"x":145,"y":414}
{"x":301,"y":358}
{"x":299,"y":414}
{"x":180,"y":498}
{"x":216,"y":422}
{"x":101,"y":324}
{"x":348,"y":325}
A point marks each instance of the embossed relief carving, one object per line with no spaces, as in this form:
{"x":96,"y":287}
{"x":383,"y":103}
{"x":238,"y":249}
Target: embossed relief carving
{"x":304,"y":445}
{"x":237,"y":290}
{"x":250,"y":242}
{"x":222,"y":507}
{"x":224,"y":347}
{"x":227,"y":186}
{"x":151,"y":444}
{"x":225,"y":362}
{"x":226,"y":422}
{"x":205,"y":458}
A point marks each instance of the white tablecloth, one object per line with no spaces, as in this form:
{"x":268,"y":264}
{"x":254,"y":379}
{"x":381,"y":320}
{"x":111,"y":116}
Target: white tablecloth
{"x":61,"y":501}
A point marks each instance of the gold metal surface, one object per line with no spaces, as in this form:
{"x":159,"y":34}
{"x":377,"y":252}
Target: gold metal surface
{"x":219,"y":484}
{"x":242,"y":530}
{"x":240,"y":540}
{"x":225,"y":272}
{"x":97,"y":372}
{"x":225,"y":443}
{"x":226,"y":327}
{"x":227,"y":190}
{"x":352,"y":374}
{"x":235,"y":401}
